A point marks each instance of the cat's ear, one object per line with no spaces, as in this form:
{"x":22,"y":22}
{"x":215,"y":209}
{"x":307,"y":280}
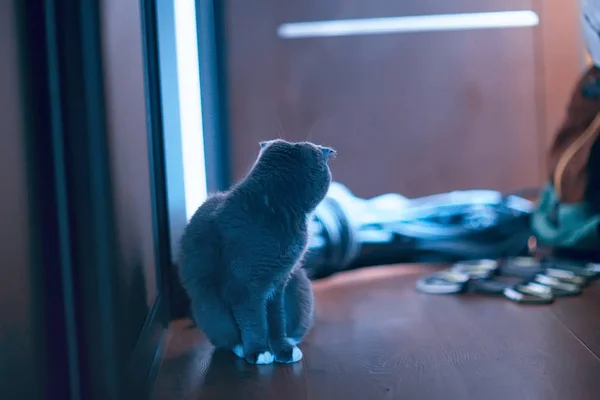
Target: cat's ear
{"x":263,"y":144}
{"x":328,"y":152}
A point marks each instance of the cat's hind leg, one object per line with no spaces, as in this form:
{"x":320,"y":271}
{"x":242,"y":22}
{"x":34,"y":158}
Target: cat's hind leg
{"x":250,"y":314}
{"x":290,"y":312}
{"x":216,"y":320}
{"x":285,"y":350}
{"x":299,"y":306}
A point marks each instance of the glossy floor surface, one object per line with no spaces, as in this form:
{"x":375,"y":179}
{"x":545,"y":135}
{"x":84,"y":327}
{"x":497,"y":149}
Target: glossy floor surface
{"x":375,"y":337}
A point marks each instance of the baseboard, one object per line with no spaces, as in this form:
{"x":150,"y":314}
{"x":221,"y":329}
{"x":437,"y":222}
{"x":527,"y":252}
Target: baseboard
{"x":148,"y":352}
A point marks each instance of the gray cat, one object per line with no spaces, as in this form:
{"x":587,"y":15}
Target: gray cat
{"x":241,"y":254}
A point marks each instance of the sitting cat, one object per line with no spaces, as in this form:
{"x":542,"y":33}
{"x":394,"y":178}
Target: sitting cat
{"x":241,"y":254}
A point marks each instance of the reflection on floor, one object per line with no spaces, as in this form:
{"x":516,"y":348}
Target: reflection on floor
{"x":376,"y":338}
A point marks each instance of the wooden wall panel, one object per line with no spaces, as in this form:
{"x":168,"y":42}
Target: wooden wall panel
{"x":417,"y":113}
{"x":420,"y":113}
{"x":130,"y":167}
{"x":561,"y":60}
{"x":253,"y":67}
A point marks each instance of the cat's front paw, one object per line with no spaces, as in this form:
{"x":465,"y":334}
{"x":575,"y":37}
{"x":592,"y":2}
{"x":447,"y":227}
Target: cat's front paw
{"x":260,"y":357}
{"x":287,"y":353}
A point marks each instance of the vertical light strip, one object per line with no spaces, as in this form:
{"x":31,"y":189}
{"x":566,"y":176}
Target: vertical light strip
{"x":417,"y":23}
{"x":190,"y":105}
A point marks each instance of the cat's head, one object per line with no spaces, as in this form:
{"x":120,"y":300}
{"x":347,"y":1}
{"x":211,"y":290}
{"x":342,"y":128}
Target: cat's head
{"x":301,"y":167}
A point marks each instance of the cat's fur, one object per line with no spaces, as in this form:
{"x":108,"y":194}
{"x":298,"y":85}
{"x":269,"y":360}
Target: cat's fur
{"x":242,"y":250}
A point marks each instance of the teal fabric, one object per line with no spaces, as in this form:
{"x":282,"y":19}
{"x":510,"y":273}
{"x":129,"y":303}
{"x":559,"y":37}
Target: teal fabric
{"x":577,"y":227}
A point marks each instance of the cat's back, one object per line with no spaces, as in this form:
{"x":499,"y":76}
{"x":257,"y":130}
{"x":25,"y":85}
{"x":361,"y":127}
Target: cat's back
{"x":200,"y":243}
{"x":204,"y":217}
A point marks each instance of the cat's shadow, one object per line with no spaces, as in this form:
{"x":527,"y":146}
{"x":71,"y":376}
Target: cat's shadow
{"x":224,"y":365}
{"x":225,"y":368}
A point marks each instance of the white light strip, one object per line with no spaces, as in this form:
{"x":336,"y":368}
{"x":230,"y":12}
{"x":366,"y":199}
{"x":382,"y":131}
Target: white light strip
{"x":418,"y":23}
{"x":190,"y":105}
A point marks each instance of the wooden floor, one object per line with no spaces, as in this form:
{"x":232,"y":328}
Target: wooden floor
{"x":375,"y":337}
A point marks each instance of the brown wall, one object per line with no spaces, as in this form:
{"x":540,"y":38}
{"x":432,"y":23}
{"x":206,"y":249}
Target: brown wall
{"x":414,"y":113}
{"x":561,"y":60}
{"x":19,"y":351}
{"x":57,"y":236}
{"x":127,"y":126}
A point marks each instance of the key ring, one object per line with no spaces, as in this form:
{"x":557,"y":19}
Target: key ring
{"x":567,"y":276}
{"x":529,"y":293}
{"x":477,"y":269}
{"x":589,"y":271}
{"x":443,"y":282}
{"x":520,"y":267}
{"x":559,"y":288}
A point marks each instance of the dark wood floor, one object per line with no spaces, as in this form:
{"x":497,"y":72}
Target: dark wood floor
{"x":375,"y":337}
